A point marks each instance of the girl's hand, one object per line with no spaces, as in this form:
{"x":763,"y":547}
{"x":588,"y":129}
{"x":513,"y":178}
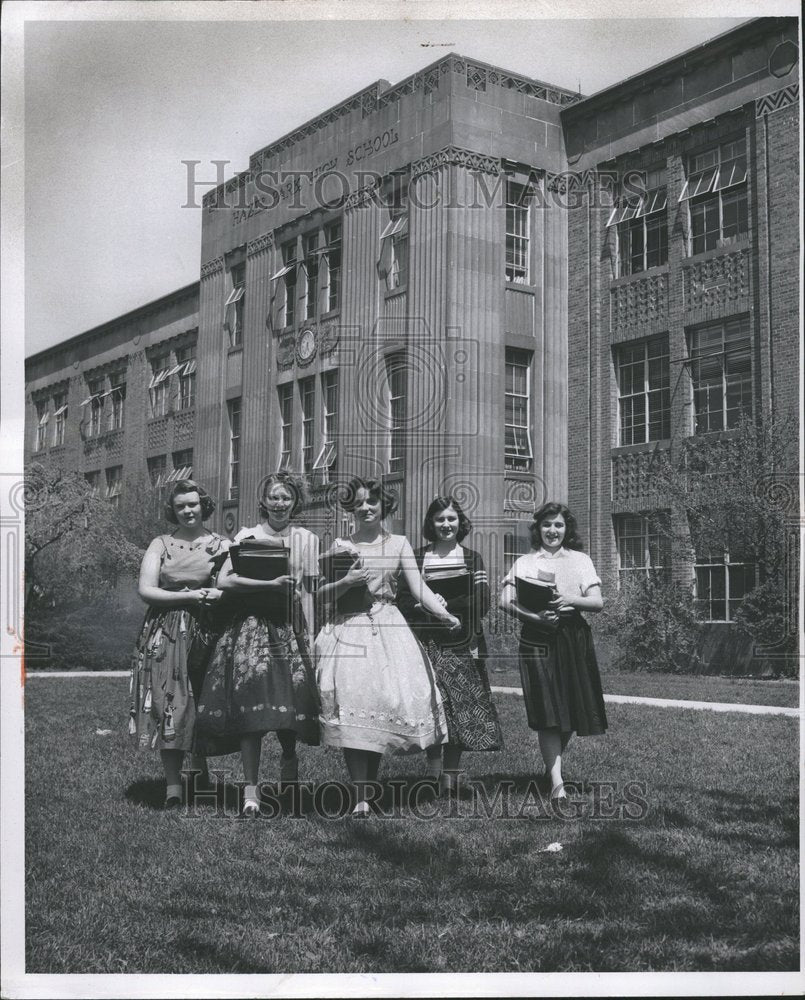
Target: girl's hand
{"x":546,"y":619}
{"x":356,"y":575}
{"x":440,"y":599}
{"x":280,"y":582}
{"x":210,"y":594}
{"x":453,"y":622}
{"x":562,"y":605}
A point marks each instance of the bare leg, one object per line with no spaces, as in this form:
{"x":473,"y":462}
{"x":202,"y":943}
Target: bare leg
{"x":434,"y":755}
{"x":250,"y":746}
{"x":550,"y":744}
{"x":363,"y":766}
{"x":172,"y":765}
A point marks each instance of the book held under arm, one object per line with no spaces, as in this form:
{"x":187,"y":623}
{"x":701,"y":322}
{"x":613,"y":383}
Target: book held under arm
{"x":334,"y":567}
{"x":536,"y":595}
{"x":451,"y":583}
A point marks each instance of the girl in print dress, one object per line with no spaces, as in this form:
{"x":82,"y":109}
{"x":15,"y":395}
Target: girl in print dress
{"x":376,"y":684}
{"x":176,"y":582}
{"x":561,"y":683}
{"x":261,"y":678}
{"x":458,"y":656}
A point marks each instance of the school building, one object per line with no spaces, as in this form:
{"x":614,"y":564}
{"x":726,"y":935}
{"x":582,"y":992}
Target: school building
{"x":470,"y":282}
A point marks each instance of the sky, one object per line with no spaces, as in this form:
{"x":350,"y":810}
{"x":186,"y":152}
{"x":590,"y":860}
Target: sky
{"x":113,"y":107}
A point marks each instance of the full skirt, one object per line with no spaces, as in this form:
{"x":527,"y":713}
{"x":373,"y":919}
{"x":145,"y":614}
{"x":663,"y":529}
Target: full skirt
{"x":260,"y":679}
{"x":561,"y":682}
{"x":377,"y":686}
{"x":162,"y":691}
{"x":472,"y":721}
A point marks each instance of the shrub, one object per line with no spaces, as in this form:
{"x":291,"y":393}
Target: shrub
{"x":654,"y":625}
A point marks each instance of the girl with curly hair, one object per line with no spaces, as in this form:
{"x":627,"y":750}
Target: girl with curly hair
{"x":260,"y":678}
{"x":176,"y":583}
{"x":558,"y":668}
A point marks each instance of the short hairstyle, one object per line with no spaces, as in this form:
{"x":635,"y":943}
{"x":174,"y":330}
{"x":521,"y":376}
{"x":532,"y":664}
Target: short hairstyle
{"x":348,"y":496}
{"x":437,"y":505}
{"x":295,"y":485}
{"x":571,"y":539}
{"x":188,"y":486}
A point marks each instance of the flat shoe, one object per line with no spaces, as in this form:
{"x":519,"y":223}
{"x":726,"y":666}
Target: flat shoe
{"x":173,"y":802}
{"x":361,"y":811}
{"x":251,"y":810}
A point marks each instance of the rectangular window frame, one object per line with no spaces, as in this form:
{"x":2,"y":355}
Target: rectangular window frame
{"x":114,"y":484}
{"x":307,"y":403}
{"x":332,"y":257}
{"x":518,"y":451}
{"x":285,"y":400}
{"x":396,"y":388}
{"x":650,"y":402}
{"x":234,"y":306}
{"x":648,"y":535}
{"x":716,"y":378}
{"x":716,"y":194}
{"x":326,"y":461}
{"x":234,"y":414}
{"x":517,"y":268}
{"x":60,"y":411}
{"x":42,"y":420}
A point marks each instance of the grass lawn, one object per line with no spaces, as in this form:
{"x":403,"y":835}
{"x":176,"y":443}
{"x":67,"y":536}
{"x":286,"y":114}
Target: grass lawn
{"x":706,"y":880}
{"x":688,"y":687}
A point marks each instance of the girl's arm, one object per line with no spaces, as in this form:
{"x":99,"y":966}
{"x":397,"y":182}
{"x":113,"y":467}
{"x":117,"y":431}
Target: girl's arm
{"x":428,"y":600}
{"x":155,"y":596}
{"x":591,"y":600}
{"x":479,"y":600}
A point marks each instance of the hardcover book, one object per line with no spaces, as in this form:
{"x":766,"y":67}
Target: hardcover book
{"x":260,"y":560}
{"x":451,"y":582}
{"x":334,"y":567}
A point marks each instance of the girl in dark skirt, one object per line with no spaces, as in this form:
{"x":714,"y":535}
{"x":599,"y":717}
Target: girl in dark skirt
{"x":261,"y":678}
{"x":458,"y":656}
{"x":561,"y":683}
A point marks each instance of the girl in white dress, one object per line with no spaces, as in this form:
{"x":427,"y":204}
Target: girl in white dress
{"x":376,"y":684}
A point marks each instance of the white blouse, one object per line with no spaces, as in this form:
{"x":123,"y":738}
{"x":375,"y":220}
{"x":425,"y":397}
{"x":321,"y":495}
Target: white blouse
{"x":574,"y":571}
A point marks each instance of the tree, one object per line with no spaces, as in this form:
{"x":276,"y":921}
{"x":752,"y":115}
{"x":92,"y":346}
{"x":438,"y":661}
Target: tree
{"x":75,"y":543}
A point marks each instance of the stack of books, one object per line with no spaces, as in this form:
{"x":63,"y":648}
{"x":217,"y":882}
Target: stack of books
{"x":260,"y":559}
{"x":450,"y":582}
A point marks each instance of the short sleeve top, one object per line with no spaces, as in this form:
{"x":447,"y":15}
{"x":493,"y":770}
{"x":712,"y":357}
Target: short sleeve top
{"x":574,"y":571}
{"x":382,"y":559}
{"x":189,"y":563}
{"x":303,"y":546}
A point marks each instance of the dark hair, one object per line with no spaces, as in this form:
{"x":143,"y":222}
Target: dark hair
{"x":348,"y":497}
{"x":571,"y":539}
{"x":188,"y":486}
{"x":437,"y":505}
{"x":293,"y":484}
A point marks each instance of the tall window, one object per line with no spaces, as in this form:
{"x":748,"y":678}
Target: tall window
{"x":715,"y":191}
{"x":186,"y":360}
{"x":233,"y":406}
{"x":94,"y":482}
{"x":395,"y":373}
{"x":42,"y":417}
{"x":311,"y":265}
{"x":393,"y":262}
{"x":117,"y":400}
{"x":307,"y":397}
{"x":325,"y":463}
{"x":289,"y":277}
{"x":59,"y":417}
{"x":644,"y":393}
{"x":234,"y":306}
{"x":157,"y":471}
{"x":158,"y":386}
{"x":515,"y":544}
{"x":721,"y":372}
{"x":285,"y":394}
{"x":332,"y":257}
{"x":95,"y":402}
{"x":642,"y":225}
{"x":114,"y":484}
{"x":518,"y":215}
{"x":722,"y":582}
{"x":517,"y":450}
{"x":644,"y":548}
